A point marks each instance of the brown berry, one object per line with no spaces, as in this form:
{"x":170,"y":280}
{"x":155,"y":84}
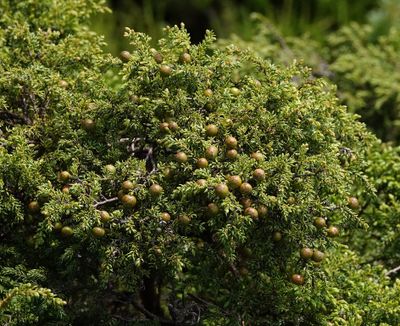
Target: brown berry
{"x":165,"y":70}
{"x":211,"y":152}
{"x":34,"y":207}
{"x":63,"y":84}
{"x":235,"y":91}
{"x":259,"y":174}
{"x":156,"y":190}
{"x":211,"y":130}
{"x":231,"y":142}
{"x":167,"y":172}
{"x":318,"y":256}
{"x":66,"y":231}
{"x":202,"y":163}
{"x":320,"y":222}
{"x":252,"y":212}
{"x":257,"y":156}
{"x":64,"y":176}
{"x":234,"y":181}
{"x":256,"y":83}
{"x":262,"y":210}
{"x":127,"y":185}
{"x":246,"y":188}
{"x":172,"y":125}
{"x":201,"y":182}
{"x":185,"y":58}
{"x":125,"y":56}
{"x":353,"y":202}
{"x":306,"y":253}
{"x":164,"y":127}
{"x":212,"y":209}
{"x":208,"y":92}
{"x":158,"y":57}
{"x":105,"y":216}
{"x":129,"y":200}
{"x":231,"y":154}
{"x":246,"y":202}
{"x":57,"y":226}
{"x":333,"y":231}
{"x":98,"y":232}
{"x":184,"y":219}
{"x":222,"y":190}
{"x":110,"y":169}
{"x":165,"y":217}
{"x":88,"y":124}
{"x":297,"y":279}
{"x":277,"y":236}
{"x":181,"y":157}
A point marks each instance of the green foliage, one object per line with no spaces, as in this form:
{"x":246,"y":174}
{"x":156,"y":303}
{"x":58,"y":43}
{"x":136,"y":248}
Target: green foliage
{"x":301,"y":162}
{"x":368,"y":76}
{"x":385,"y":16}
{"x":364,"y":67}
{"x":83,"y":246}
{"x":357,"y":293}
{"x":56,"y":47}
{"x":30,"y":305}
{"x":23,"y":300}
{"x":382,"y":242}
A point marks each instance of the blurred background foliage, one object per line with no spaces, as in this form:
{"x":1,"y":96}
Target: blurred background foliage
{"x":225,"y":17}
